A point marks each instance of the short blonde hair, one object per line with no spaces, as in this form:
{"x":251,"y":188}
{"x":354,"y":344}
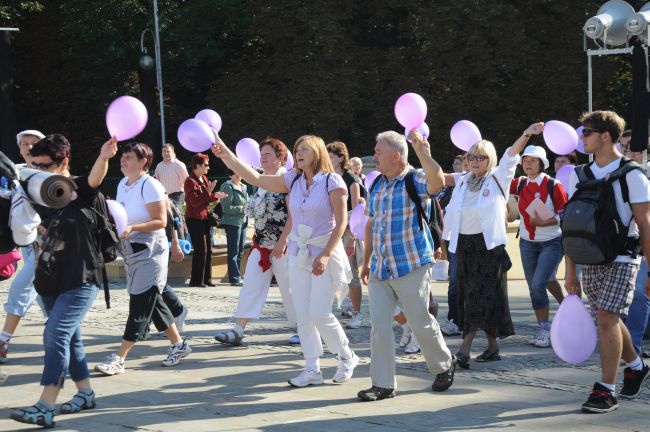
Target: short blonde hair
{"x":321,"y":156}
{"x":485,"y":148}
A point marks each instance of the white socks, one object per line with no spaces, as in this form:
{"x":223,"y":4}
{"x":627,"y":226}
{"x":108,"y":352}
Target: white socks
{"x":5,"y":337}
{"x":313,"y":364}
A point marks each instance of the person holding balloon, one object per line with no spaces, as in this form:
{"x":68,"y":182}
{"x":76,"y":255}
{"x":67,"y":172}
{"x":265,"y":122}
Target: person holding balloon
{"x":320,"y":270}
{"x":267,"y":257}
{"x":475,"y":227}
{"x":145,"y":251}
{"x":541,"y":202}
{"x":235,"y":222}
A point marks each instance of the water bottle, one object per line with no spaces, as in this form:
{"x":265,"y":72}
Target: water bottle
{"x":5,"y":192}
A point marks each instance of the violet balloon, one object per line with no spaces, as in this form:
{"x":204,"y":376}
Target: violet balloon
{"x":195,"y":135}
{"x":248,"y":150}
{"x":423,"y":129}
{"x":464,"y":134}
{"x":358,"y":221}
{"x":563,"y":175}
{"x":126,"y":117}
{"x":289,"y":163}
{"x":410,"y":110}
{"x":118,"y":212}
{"x":560,"y":137}
{"x":370,"y":177}
{"x":581,"y":144}
{"x":210,"y":117}
{"x":573,"y":332}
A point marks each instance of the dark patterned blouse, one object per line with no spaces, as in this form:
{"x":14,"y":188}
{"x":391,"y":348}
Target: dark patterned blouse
{"x":269,"y":209}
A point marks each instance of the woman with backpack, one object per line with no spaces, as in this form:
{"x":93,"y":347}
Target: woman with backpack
{"x":357,"y":193}
{"x":475,"y":226}
{"x":146,"y":255}
{"x":267,"y":257}
{"x":541,"y":201}
{"x":320,"y":270}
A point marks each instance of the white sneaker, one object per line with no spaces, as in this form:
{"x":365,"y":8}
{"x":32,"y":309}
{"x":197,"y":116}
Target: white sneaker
{"x":306,"y":378}
{"x":406,"y":337}
{"x":356,"y":321}
{"x":111,"y":366}
{"x":450,"y":328}
{"x":176,"y":353}
{"x":413,"y":346}
{"x":543,"y":339}
{"x":180,"y":320}
{"x":533,"y":339}
{"x":345,"y":368}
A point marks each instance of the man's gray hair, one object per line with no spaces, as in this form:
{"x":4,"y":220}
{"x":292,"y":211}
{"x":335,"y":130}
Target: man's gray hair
{"x":396,"y":141}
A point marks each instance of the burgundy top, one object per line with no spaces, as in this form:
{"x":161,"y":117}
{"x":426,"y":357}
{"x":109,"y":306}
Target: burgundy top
{"x":197,"y":197}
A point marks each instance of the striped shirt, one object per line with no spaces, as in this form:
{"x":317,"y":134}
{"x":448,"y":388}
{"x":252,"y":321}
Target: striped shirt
{"x":399,"y":245}
{"x":172,"y":175}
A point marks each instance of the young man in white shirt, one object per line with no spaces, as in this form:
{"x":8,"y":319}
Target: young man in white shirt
{"x":610,"y":287}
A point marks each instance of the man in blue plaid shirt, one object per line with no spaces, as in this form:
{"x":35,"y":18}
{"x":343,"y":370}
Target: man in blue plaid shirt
{"x":398,"y":254}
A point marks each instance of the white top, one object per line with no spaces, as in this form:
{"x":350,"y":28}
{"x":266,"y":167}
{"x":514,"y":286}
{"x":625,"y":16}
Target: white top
{"x":172,"y":175}
{"x":491,"y":204}
{"x":470,"y":222}
{"x":638,"y":186}
{"x":136,"y":196}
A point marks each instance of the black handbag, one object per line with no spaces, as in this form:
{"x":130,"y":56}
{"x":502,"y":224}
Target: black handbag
{"x":213,"y":219}
{"x":505,"y":258}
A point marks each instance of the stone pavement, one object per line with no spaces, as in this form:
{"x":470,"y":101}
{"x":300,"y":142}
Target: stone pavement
{"x":219,"y":388}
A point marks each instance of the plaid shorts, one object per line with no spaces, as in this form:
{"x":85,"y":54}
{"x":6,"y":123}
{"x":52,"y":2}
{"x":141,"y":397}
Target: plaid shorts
{"x":610,"y":286}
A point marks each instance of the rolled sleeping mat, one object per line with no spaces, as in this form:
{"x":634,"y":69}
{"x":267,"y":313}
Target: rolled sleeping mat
{"x":186,"y":247}
{"x":7,"y":167}
{"x":46,"y":189}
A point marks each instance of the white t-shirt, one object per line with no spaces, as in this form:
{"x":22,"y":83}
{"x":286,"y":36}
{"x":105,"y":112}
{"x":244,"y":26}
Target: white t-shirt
{"x":639,"y":191}
{"x":470,"y":220}
{"x":136,"y":196}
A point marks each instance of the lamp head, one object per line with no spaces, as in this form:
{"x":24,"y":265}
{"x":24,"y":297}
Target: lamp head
{"x":609,"y":23}
{"x":638,"y":23}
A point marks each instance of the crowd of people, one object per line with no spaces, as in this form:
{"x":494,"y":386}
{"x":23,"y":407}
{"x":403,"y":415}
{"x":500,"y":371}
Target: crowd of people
{"x":301,"y":222}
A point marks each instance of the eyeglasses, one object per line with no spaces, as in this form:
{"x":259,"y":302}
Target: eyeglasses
{"x":588,"y":131}
{"x":44,"y":166}
{"x":476,"y":158}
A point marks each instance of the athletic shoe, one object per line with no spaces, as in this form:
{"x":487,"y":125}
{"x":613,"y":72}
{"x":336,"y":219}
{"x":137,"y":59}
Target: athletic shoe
{"x":601,"y":400}
{"x":345,"y":368}
{"x":4,"y":347}
{"x":176,"y":353}
{"x":180,"y":320}
{"x":35,"y":414}
{"x":533,"y":339}
{"x":356,"y":321}
{"x":633,"y":381}
{"x":450,"y":328}
{"x":294,"y":340}
{"x":406,"y":337}
{"x":646,"y":353}
{"x":543,"y":339}
{"x":306,"y":378}
{"x":80,"y":402}
{"x":375,"y":393}
{"x":111,"y":366}
{"x":413,"y":346}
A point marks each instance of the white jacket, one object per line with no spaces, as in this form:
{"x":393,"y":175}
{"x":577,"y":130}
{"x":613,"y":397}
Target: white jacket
{"x":491,"y":202}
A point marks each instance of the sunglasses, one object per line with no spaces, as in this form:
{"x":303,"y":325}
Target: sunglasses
{"x":43,"y":166}
{"x":588,"y":131}
{"x":476,"y":158}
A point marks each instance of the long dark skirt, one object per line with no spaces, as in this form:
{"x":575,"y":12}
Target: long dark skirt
{"x":482,"y":288}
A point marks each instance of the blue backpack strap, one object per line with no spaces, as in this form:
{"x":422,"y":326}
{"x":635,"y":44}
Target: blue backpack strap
{"x":550,"y":186}
{"x":521,"y":183}
{"x":413,"y":195}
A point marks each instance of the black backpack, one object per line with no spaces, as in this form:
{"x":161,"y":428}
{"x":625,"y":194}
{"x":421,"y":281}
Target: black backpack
{"x":592,"y":229}
{"x":6,"y":237}
{"x":434,"y":220}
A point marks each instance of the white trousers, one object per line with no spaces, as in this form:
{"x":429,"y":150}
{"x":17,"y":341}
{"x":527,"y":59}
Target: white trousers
{"x":312,"y":297}
{"x":256,"y":287}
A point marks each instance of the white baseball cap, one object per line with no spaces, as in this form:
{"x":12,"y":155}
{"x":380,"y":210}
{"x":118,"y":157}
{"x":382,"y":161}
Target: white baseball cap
{"x":538,"y":152}
{"x":33,"y":132}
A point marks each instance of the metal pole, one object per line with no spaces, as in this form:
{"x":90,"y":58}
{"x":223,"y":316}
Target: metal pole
{"x":159,"y":71}
{"x":589,"y":91}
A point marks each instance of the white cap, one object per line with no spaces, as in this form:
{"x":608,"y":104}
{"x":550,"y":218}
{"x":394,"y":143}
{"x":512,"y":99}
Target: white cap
{"x":538,"y":152}
{"x":33,"y":132}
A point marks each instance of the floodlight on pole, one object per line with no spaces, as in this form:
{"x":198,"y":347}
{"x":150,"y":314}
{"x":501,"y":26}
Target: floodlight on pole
{"x":639,"y":24}
{"x":608,"y":25}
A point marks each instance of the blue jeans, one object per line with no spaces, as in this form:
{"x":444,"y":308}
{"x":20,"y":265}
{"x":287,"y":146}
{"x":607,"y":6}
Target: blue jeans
{"x":540,"y":260}
{"x":235,"y":238}
{"x":64,"y":351}
{"x":452,"y":290}
{"x":637,"y":317}
{"x":22,"y":293}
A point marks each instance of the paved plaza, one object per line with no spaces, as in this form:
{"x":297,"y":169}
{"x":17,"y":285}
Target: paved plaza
{"x":219,"y":388}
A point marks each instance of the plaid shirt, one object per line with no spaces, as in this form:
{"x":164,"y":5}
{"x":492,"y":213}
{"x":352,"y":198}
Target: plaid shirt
{"x":399,"y":245}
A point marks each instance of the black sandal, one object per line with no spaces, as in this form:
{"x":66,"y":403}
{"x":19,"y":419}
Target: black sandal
{"x":462,"y":360}
{"x":488,"y":356}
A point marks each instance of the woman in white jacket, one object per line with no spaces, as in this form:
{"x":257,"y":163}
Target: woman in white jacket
{"x":475,"y":227}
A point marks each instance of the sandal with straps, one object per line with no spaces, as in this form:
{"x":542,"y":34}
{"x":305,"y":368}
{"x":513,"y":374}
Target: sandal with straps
{"x":229,"y":337}
{"x":462,"y":360}
{"x":79,"y":402}
{"x":487,"y":356}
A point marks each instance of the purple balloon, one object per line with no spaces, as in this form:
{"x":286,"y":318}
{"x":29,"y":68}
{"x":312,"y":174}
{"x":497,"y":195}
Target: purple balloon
{"x":195,"y":135}
{"x":423,"y":129}
{"x":118,"y":212}
{"x":581,"y":144}
{"x":358,"y":220}
{"x":210,"y":117}
{"x":410,"y":110}
{"x":464,"y":134}
{"x":248,"y":150}
{"x":289,"y":164}
{"x":370,"y":177}
{"x":563,"y":175}
{"x":560,"y":137}
{"x":573,"y":332}
{"x":126,"y":117}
